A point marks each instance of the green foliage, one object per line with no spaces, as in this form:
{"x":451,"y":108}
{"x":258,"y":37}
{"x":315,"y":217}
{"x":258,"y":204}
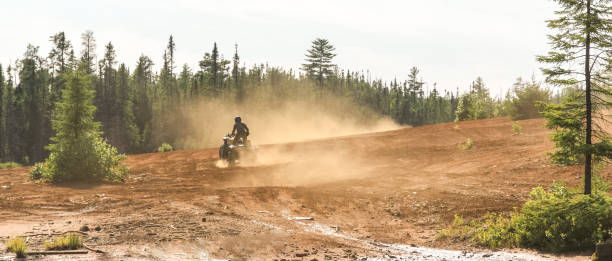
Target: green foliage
{"x":524,"y":99}
{"x":580,"y":57}
{"x":18,"y":246}
{"x":565,"y":119}
{"x":555,"y":220}
{"x":475,"y":105}
{"x":165,"y":147}
{"x":8,"y":165}
{"x":558,"y":221}
{"x":37,"y":171}
{"x":78,"y":151}
{"x":66,"y":242}
{"x":318,"y":64}
{"x":516,"y":128}
{"x":457,"y":230}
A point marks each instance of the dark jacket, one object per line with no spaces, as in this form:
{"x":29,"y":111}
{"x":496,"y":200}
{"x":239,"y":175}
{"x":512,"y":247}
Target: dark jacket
{"x":240,"y":129}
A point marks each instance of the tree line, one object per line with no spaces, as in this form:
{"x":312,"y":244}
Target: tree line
{"x":139,"y":108}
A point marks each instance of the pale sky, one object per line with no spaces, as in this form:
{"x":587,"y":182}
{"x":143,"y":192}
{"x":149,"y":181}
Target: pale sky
{"x":451,"y":41}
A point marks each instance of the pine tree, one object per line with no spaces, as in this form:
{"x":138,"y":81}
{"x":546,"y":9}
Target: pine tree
{"x":318,"y":64}
{"x":2,"y":115}
{"x":33,"y":90}
{"x":88,"y":52}
{"x":60,"y":53}
{"x":78,"y":152}
{"x":236,"y":76}
{"x":185,"y":83}
{"x":171,"y":49}
{"x":214,"y":67}
{"x":583,"y":36}
{"x":127,"y":131}
{"x":108,"y":111}
{"x":15,"y":117}
{"x":142,"y":81}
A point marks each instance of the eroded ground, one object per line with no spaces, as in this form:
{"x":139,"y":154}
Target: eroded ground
{"x":380,"y":195}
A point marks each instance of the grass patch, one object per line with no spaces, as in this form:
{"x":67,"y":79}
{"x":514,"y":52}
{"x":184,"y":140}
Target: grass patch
{"x":516,"y":128}
{"x":456,"y":127}
{"x":66,"y":242}
{"x":8,"y":165}
{"x":556,"y":220}
{"x":165,"y":147}
{"x":18,"y":246}
{"x":467,"y":145}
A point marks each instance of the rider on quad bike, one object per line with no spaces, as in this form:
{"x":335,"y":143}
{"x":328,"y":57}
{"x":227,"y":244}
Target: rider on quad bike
{"x":240,"y":130}
{"x":236,"y":148}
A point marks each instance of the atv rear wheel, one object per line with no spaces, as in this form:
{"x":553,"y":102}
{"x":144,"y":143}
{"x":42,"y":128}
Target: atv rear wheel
{"x":222,"y":152}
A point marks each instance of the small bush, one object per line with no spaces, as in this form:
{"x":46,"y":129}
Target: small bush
{"x":18,"y":246}
{"x":37,"y":171}
{"x":467,"y":145}
{"x":457,"y":230}
{"x":555,"y":220}
{"x":67,"y":242}
{"x":456,"y":127}
{"x":165,"y":147}
{"x":8,"y":165}
{"x":516,"y":128}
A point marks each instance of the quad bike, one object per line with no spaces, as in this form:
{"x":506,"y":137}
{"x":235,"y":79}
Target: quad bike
{"x":236,"y":152}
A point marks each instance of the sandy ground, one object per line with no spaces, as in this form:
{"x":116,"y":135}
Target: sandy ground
{"x":376,"y":196}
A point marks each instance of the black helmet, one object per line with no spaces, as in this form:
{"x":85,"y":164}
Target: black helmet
{"x":237,"y":119}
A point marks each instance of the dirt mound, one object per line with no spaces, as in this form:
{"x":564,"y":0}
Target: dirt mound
{"x":396,"y":187}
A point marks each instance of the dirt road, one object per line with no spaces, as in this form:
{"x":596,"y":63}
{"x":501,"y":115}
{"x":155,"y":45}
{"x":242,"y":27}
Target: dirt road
{"x":381,"y":195}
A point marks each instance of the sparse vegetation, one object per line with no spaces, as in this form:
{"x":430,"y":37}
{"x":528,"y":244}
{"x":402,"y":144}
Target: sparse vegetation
{"x":8,"y":165}
{"x":165,"y":147}
{"x":467,"y":145}
{"x":18,"y":246}
{"x":66,"y":242}
{"x":456,"y":127}
{"x":516,"y":128}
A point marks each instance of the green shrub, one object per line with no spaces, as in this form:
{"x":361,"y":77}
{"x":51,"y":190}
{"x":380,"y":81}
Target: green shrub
{"x":18,"y":246}
{"x":165,"y":147}
{"x":555,"y":220}
{"x":8,"y":165}
{"x":559,"y":221}
{"x":37,"y":171}
{"x":516,"y":128}
{"x":67,"y":242}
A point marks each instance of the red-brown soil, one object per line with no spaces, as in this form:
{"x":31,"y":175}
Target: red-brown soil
{"x":399,"y":186}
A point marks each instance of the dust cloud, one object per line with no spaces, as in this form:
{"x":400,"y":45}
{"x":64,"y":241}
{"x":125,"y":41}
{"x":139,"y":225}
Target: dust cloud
{"x":284,"y":122}
{"x":269,"y":123}
{"x":306,"y":164}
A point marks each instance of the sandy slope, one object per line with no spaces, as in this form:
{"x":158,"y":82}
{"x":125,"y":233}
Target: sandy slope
{"x":375,"y":195}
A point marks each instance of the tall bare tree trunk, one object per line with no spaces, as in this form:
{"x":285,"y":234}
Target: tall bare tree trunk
{"x":587,"y":73}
